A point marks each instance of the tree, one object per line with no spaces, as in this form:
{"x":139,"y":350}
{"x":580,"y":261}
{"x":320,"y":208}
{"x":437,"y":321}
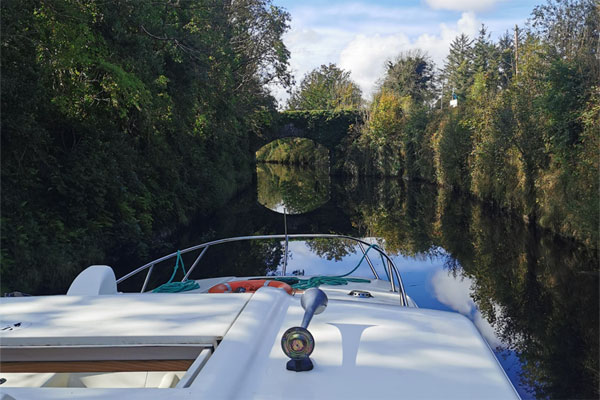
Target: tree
{"x":387,"y":116}
{"x":528,"y":126}
{"x":257,"y":30}
{"x":484,"y":53}
{"x":410,"y":75}
{"x":453,"y":145}
{"x":121,"y":120}
{"x":506,"y":59}
{"x":326,"y":88}
{"x":458,"y":69}
{"x":571,"y":29}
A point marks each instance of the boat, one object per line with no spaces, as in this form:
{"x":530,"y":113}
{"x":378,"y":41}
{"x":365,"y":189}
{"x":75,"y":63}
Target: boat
{"x":293,"y":336}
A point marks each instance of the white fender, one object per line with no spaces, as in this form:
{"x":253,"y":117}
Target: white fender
{"x":94,"y":280}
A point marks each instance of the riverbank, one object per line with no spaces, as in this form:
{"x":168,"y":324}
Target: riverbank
{"x":113,"y":136}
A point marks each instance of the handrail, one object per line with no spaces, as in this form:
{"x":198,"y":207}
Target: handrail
{"x":204,"y":246}
{"x":362,"y":248}
{"x":147,"y":279}
{"x":185,"y":278}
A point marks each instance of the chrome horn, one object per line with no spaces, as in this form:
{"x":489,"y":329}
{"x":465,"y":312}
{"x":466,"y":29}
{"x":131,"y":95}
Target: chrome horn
{"x":297,"y":342}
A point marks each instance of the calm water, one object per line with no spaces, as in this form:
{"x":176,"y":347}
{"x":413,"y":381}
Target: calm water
{"x":534,"y":298}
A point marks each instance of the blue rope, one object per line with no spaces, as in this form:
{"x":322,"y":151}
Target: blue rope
{"x":176,"y":287}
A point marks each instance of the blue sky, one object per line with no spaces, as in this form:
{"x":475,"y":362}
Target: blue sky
{"x":360,"y":36}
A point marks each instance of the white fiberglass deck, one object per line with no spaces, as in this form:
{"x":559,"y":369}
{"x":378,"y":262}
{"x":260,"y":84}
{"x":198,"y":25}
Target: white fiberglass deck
{"x":363,"y":350}
{"x":117,"y":319}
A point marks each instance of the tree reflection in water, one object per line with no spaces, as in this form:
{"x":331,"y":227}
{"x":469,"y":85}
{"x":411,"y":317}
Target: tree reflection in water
{"x":537,"y":293}
{"x":297,"y":189}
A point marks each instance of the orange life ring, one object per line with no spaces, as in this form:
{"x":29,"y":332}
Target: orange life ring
{"x":248,"y":286}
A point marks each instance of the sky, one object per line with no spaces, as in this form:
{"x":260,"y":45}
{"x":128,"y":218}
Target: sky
{"x":360,"y":36}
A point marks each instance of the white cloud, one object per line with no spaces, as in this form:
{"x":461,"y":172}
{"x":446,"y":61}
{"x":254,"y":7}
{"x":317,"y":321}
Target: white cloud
{"x":365,"y":55}
{"x":360,"y":37}
{"x":462,"y":5}
{"x":487,"y":331}
{"x":356,"y":14}
{"x":455,"y":292}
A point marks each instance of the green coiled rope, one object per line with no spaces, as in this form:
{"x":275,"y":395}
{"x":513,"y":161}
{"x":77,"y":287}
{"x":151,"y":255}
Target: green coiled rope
{"x":176,"y":287}
{"x":335,"y":280}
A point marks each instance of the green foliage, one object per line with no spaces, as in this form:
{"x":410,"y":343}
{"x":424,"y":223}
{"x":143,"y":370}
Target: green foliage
{"x":122,"y":120}
{"x":295,"y":151}
{"x":484,"y":52}
{"x":571,"y":30}
{"x":299,"y":190}
{"x":410,"y":75}
{"x":387,"y":116}
{"x":494,"y":163}
{"x":326,"y":88}
{"x":458,"y":69}
{"x":416,"y":141}
{"x":522,"y":137}
{"x":505,"y":60}
{"x":570,"y":190}
{"x":373,"y":150}
{"x":453,"y":145}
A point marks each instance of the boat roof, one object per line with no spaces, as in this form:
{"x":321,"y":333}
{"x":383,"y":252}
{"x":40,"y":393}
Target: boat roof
{"x":158,"y":318}
{"x":363,"y":349}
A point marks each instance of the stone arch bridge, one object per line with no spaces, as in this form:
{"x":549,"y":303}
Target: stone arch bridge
{"x":327,"y":128}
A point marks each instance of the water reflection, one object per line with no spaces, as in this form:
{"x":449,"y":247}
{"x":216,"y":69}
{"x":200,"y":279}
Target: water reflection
{"x":533,"y":296}
{"x":298,"y":189}
{"x":538,"y":293}
{"x":454,"y":290}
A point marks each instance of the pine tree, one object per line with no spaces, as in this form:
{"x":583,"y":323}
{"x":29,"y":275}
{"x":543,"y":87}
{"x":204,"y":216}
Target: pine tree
{"x":506,"y":59}
{"x":484,"y":52}
{"x":458,"y":69}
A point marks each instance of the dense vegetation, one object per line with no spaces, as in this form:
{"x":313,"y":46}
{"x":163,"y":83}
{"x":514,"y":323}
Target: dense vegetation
{"x":298,"y":190}
{"x":120,"y":120}
{"x":326,"y":88}
{"x":329,"y":93}
{"x":294,"y":151}
{"x":526,"y":132}
{"x":325,"y":130}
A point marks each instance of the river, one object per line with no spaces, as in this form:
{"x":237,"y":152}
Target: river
{"x":533,"y":296}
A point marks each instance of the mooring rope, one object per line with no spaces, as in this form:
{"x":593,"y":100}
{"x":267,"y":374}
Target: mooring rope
{"x":176,"y":287}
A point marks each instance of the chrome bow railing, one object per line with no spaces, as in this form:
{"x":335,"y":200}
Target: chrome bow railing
{"x":392,"y":270}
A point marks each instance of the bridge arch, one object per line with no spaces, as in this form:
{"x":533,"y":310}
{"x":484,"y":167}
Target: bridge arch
{"x":327,"y":128}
